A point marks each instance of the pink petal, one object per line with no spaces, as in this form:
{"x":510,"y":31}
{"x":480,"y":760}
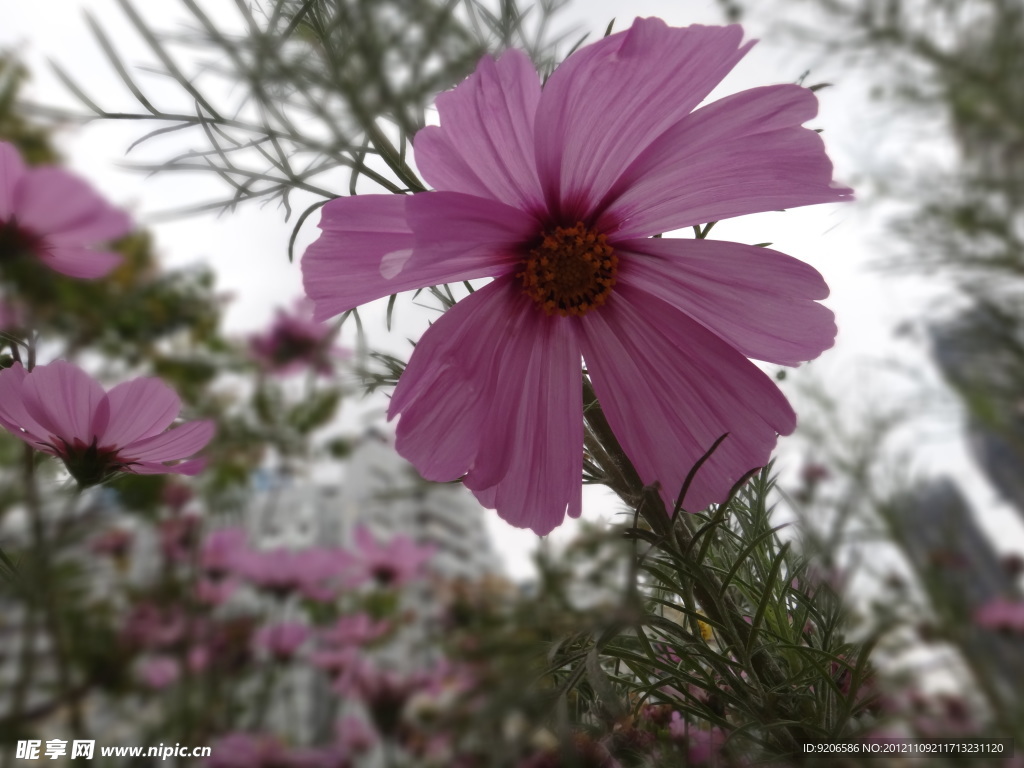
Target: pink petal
{"x":52,"y":202}
{"x":171,"y":445}
{"x":12,"y":171}
{"x":459,"y":353}
{"x":760,"y":301}
{"x":484,"y":145}
{"x":138,"y":409}
{"x":376,"y":245}
{"x":670,"y":388}
{"x":743,"y":154}
{"x":13,"y":415}
{"x":80,"y":262}
{"x":190,"y":467}
{"x":493,"y":392}
{"x":63,"y":399}
{"x":607,"y":102}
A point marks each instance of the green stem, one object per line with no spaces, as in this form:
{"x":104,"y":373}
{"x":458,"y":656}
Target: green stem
{"x":765,"y":671}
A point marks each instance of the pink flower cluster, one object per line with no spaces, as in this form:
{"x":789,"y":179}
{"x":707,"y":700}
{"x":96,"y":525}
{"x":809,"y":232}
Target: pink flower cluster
{"x":315,"y":573}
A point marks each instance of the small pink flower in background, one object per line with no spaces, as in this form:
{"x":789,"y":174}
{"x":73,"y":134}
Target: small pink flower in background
{"x":557,"y":192}
{"x":355,"y":735}
{"x":179,"y":536}
{"x":114,"y":542}
{"x":246,"y":750}
{"x":355,"y":629}
{"x":392,"y":564}
{"x":283,"y":572}
{"x":151,"y":627}
{"x":59,"y":409}
{"x":55,"y":216}
{"x":703,"y":747}
{"x":220,"y":551}
{"x":158,"y":672}
{"x":1001,"y":615}
{"x":283,"y":640}
{"x":678,"y":728}
{"x":295,"y":342}
{"x":176,"y":495}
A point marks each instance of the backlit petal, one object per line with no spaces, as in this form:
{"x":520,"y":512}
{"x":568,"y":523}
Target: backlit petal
{"x":760,"y":301}
{"x":493,"y":392}
{"x":376,"y":245}
{"x":484,"y":145}
{"x":139,"y":409}
{"x":670,"y":388}
{"x":63,"y":399}
{"x":77,"y":261}
{"x":13,"y":415}
{"x":50,"y":201}
{"x":743,"y":154}
{"x":607,"y":102}
{"x":177,"y":443}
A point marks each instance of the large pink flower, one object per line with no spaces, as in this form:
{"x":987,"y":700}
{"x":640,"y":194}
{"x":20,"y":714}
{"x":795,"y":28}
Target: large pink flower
{"x":59,"y":409}
{"x":56,"y":216}
{"x":557,"y":193}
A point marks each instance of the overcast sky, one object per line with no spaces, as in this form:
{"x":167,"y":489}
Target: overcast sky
{"x":248,"y":248}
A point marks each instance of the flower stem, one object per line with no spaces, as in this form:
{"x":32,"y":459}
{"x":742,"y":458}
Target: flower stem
{"x":765,"y":671}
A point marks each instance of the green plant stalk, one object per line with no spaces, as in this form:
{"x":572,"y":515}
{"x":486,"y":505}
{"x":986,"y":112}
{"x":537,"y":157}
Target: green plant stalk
{"x":716,"y":602}
{"x":44,"y":584}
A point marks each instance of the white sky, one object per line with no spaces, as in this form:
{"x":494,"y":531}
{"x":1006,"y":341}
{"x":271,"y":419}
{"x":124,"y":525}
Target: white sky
{"x":248,"y":248}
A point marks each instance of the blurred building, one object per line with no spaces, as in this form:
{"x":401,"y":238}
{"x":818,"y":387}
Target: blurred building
{"x":981,"y":355}
{"x":384,"y":493}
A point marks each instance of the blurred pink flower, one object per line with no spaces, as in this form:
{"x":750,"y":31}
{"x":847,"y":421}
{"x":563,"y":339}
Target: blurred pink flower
{"x":179,"y":536}
{"x":114,"y":542}
{"x":1001,"y":615}
{"x":220,"y":551}
{"x":355,"y":629}
{"x":556,"y":191}
{"x":296,"y":342}
{"x":246,"y":750}
{"x":392,"y":564}
{"x":282,"y":641}
{"x":176,"y":495}
{"x":158,"y":672}
{"x":152,"y":627}
{"x":59,"y":409}
{"x":282,"y":572}
{"x":56,"y":217}
{"x":355,"y":735}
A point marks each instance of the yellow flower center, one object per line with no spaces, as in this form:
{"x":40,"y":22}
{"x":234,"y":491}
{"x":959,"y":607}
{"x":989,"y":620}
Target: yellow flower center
{"x":570,"y":272}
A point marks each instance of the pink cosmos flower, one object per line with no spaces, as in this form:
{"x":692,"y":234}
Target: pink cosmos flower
{"x":355,"y":735}
{"x":158,"y":672}
{"x":556,"y":192}
{"x":391,"y":564}
{"x":59,"y":409}
{"x":282,"y":572}
{"x":220,"y":551}
{"x":282,"y":640}
{"x":355,"y":629}
{"x":1001,"y":615}
{"x":55,"y":216}
{"x":295,"y":342}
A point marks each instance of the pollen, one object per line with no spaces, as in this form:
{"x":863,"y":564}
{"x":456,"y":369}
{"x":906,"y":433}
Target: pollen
{"x":570,"y":272}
